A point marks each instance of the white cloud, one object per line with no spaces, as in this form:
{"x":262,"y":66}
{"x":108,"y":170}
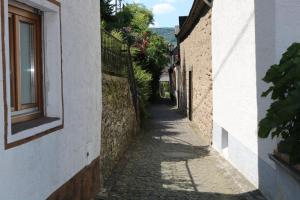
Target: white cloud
{"x":163,"y":8}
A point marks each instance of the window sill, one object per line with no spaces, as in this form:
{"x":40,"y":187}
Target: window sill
{"x":291,"y":170}
{"x":19,"y":127}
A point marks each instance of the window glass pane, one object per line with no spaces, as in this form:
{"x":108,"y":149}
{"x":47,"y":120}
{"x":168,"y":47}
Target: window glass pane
{"x":27,"y":63}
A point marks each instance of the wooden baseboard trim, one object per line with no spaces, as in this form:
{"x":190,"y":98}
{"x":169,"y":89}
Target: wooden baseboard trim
{"x":83,"y":186}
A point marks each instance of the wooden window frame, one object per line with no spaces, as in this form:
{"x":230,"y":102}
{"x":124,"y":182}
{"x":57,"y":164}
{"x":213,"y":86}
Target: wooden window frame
{"x":21,"y":13}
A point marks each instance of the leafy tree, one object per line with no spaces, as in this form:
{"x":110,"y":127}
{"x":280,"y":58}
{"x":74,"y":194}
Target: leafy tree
{"x":134,"y":16}
{"x":143,"y":80}
{"x":151,"y":55}
{"x":148,"y":49}
{"x":283,"y":117}
{"x":107,"y":10}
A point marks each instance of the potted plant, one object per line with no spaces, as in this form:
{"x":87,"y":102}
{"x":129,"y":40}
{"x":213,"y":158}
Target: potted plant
{"x":283,"y":117}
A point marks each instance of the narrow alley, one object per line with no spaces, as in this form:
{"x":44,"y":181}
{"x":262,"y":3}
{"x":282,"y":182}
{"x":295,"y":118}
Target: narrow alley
{"x":150,"y":100}
{"x":170,"y":161}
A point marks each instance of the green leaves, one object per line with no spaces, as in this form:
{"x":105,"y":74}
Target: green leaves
{"x":149,"y":51}
{"x":283,"y":117}
{"x":265,"y":126}
{"x":107,"y":10}
{"x":143,"y":80}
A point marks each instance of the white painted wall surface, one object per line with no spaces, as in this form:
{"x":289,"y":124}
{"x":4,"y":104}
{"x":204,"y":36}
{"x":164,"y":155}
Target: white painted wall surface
{"x":277,"y":27}
{"x":234,"y":79}
{"x":247,"y":38}
{"x":36,"y":169}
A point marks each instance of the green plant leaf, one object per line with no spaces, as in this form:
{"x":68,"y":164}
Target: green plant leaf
{"x":266,"y":93}
{"x":265,"y":126}
{"x":283,"y":117}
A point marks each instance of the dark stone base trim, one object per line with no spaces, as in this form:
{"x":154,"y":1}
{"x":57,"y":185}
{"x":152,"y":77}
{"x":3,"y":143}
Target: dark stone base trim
{"x":83,"y":186}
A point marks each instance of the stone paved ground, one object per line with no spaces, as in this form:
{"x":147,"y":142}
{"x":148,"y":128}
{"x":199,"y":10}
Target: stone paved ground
{"x":171,"y":161}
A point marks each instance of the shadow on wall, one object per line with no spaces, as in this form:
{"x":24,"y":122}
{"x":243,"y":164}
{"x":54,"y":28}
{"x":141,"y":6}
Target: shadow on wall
{"x":265,"y":58}
{"x":227,"y":56}
{"x":274,"y":181}
{"x":264,"y":36}
{"x":183,"y":87}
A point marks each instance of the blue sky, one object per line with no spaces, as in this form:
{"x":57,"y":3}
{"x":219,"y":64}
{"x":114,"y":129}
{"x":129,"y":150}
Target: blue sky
{"x":166,"y":12}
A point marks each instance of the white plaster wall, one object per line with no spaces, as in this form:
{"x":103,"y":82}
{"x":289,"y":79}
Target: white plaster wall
{"x":277,"y":27}
{"x":287,"y":25}
{"x":234,"y":80}
{"x":234,"y":72}
{"x":36,"y":169}
{"x":247,"y":38}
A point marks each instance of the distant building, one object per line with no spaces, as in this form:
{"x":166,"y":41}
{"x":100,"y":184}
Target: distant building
{"x":164,"y":83}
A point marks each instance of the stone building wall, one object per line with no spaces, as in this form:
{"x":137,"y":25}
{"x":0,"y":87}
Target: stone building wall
{"x":182,"y":93}
{"x":119,"y":124}
{"x":196,"y":57}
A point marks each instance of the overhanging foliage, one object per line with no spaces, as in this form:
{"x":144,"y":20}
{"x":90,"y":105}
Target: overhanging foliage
{"x":283,"y":116}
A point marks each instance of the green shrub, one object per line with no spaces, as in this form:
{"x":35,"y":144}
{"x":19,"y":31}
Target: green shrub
{"x":143,"y":81}
{"x":165,"y":89}
{"x":118,"y":35}
{"x":283,"y":116}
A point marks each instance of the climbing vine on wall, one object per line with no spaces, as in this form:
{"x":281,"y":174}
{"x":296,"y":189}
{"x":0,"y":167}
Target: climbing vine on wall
{"x":283,"y":117}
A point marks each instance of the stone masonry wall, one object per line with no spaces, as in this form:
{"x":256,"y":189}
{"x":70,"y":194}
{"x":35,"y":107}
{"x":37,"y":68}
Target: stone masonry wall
{"x":119,"y":124}
{"x":196,"y":57}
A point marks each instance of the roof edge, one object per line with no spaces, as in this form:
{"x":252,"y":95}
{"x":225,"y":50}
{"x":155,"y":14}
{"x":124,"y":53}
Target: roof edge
{"x":193,"y":17}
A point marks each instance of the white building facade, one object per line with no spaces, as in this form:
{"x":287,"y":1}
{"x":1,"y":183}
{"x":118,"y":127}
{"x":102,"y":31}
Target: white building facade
{"x":247,"y":38}
{"x":50,"y":99}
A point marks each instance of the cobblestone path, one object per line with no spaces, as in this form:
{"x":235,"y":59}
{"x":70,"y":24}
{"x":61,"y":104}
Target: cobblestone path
{"x":171,"y":161}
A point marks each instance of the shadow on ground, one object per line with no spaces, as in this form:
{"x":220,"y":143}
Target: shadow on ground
{"x":168,"y":161}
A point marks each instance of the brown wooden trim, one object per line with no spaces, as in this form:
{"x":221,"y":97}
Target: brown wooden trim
{"x":31,"y":138}
{"x":39,"y":135}
{"x":29,"y":105}
{"x":61,"y":69}
{"x":83,"y":186}
{"x":4,"y":71}
{"x":55,"y":2}
{"x":19,"y":127}
{"x":19,"y":16}
{"x":12,"y":64}
{"x":26,"y":117}
{"x":39,"y":62}
{"x":22,"y":6}
{"x":23,"y":13}
{"x":17,"y":61}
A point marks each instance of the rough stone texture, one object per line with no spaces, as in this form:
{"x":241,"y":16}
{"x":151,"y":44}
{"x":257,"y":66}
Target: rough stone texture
{"x":195,"y":53}
{"x":119,"y":123}
{"x":171,"y":161}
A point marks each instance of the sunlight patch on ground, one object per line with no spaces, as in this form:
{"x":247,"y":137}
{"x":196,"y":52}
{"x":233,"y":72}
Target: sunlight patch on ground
{"x":175,"y":176}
